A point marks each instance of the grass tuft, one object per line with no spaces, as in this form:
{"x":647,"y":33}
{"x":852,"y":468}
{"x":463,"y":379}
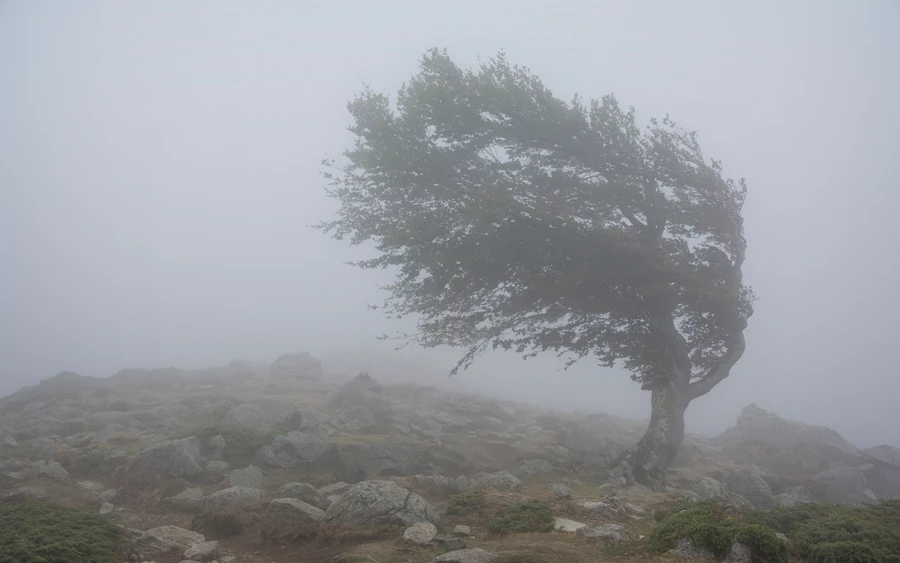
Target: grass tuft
{"x":523,"y":517}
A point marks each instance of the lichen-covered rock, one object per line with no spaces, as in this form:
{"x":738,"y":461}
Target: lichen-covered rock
{"x":847,"y":485}
{"x":179,"y":458}
{"x":290,"y":514}
{"x":334,"y":489}
{"x":52,"y":470}
{"x":204,"y":551}
{"x":299,"y":451}
{"x":499,"y":481}
{"x":560,"y":491}
{"x":686,"y":549}
{"x":709,"y":488}
{"x":190,"y":499}
{"x":752,"y":487}
{"x":305,"y":492}
{"x":363,"y":391}
{"x":250,"y":477}
{"x":164,"y":540}
{"x":533,"y":466}
{"x":386,"y":459}
{"x":229,"y":496}
{"x":607,"y":532}
{"x":420,"y":534}
{"x":566,"y":525}
{"x":380,"y":501}
{"x":266,"y":413}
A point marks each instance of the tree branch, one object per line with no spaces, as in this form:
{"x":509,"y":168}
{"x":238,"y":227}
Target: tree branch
{"x":721,"y":371}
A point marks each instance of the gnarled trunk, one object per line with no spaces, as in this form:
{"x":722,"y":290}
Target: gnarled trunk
{"x":648,"y":461}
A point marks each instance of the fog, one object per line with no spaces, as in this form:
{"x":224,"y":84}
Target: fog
{"x":160,"y":160}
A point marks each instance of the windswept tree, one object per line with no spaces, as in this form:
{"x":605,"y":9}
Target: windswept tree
{"x":515,"y":220}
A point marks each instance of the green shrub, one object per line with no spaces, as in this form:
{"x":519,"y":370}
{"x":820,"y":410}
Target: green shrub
{"x":523,"y":517}
{"x":839,"y":534}
{"x":466,"y":502}
{"x":706,"y":524}
{"x":41,"y":532}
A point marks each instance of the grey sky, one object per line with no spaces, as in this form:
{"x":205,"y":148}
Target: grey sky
{"x":159,"y":169}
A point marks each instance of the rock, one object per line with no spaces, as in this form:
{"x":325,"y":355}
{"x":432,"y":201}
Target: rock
{"x":739,"y":553}
{"x":51,"y":469}
{"x":420,"y":534}
{"x":436,"y":483}
{"x":885,"y":453}
{"x":250,"y":477}
{"x":10,"y":465}
{"x":108,"y":495}
{"x":607,"y":532}
{"x":178,"y":458}
{"x":217,"y":445}
{"x":534,"y":466}
{"x":363,"y":391}
{"x":267,"y":413}
{"x":203,"y":551}
{"x":305,"y":492}
{"x":752,"y":487}
{"x":462,"y":483}
{"x":609,"y":508}
{"x":217,"y":467}
{"x":334,"y":489}
{"x":461,"y":530}
{"x":297,"y":366}
{"x":475,"y":555}
{"x":499,"y":481}
{"x":792,"y":498}
{"x":22,"y":494}
{"x":189,"y":499}
{"x":560,"y":491}
{"x":164,"y":540}
{"x":448,"y":542}
{"x":106,"y":508}
{"x":10,"y":442}
{"x":847,"y":485}
{"x":441,"y":508}
{"x":229,"y":496}
{"x":566,"y":525}
{"x":101,"y":420}
{"x":293,"y":513}
{"x":380,"y":501}
{"x":709,"y":488}
{"x":756,"y":424}
{"x":386,"y":459}
{"x":299,"y":451}
{"x":686,"y":549}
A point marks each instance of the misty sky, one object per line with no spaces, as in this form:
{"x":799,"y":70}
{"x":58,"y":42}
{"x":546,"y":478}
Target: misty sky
{"x":159,"y":173}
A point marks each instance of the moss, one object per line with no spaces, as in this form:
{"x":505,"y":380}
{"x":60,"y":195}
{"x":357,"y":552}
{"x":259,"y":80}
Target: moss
{"x":523,"y":517}
{"x":466,"y":502}
{"x":41,"y":532}
{"x":708,"y":526}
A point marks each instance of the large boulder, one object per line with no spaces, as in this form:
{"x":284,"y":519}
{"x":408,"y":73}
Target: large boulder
{"x":386,"y":459}
{"x":709,"y":488}
{"x":363,"y":391}
{"x":51,"y":469}
{"x":297,"y":366}
{"x":231,"y":496}
{"x":847,"y":485}
{"x":884,"y":453}
{"x":289,"y":516}
{"x":297,"y":450}
{"x":305,"y":492}
{"x":756,"y":424}
{"x":372,"y":502}
{"x":179,"y":458}
{"x":164,"y":540}
{"x":752,"y":487}
{"x":499,"y":481}
{"x":250,"y":477}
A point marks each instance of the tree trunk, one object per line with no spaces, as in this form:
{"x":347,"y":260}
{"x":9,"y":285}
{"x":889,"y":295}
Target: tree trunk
{"x":648,"y":461}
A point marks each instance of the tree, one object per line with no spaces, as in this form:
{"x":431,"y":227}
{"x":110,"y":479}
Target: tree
{"x":518,"y":221}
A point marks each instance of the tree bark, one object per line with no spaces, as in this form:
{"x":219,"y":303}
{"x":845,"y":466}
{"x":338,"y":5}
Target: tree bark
{"x":648,"y":461}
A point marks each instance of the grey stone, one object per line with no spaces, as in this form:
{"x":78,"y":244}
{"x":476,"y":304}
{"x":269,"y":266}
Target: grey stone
{"x":475,"y":555}
{"x":534,"y":466}
{"x":51,"y":469}
{"x":106,"y":508}
{"x":363,"y":391}
{"x":462,"y":530}
{"x":792,"y":498}
{"x":217,"y":467}
{"x":10,"y":442}
{"x":334,"y":489}
{"x":297,"y":366}
{"x":250,"y":477}
{"x":203,"y":551}
{"x":217,"y":444}
{"x":10,"y":465}
{"x":267,"y":413}
{"x":164,"y":540}
{"x":189,"y":499}
{"x":292,"y":513}
{"x":437,"y":483}
{"x":560,"y":491}
{"x":420,"y":534}
{"x":709,"y":488}
{"x":446,"y":542}
{"x":606,"y":532}
{"x":230,"y":496}
{"x":757,"y":424}
{"x":305,"y":492}
{"x":847,"y":485}
{"x":299,"y":451}
{"x":885,"y":453}
{"x":566,"y":525}
{"x":752,"y":487}
{"x":386,"y":459}
{"x":499,"y":481}
{"x":179,"y":458}
{"x":686,"y":549}
{"x":380,"y":501}
{"x":739,"y":553}
{"x":108,"y":495}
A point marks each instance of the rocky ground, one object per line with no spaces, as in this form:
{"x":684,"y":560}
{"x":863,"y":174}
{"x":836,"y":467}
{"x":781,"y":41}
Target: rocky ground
{"x":249,"y":463}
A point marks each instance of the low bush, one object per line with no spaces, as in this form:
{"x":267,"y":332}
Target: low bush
{"x":466,"y":502}
{"x":708,"y":525}
{"x":523,"y":517}
{"x":42,"y":532}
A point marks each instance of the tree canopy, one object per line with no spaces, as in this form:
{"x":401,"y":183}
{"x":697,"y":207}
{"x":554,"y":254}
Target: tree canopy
{"x":514,"y":219}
